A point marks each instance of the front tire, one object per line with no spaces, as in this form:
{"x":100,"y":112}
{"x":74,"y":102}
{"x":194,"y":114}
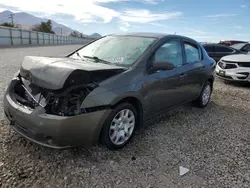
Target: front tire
{"x":119,"y":127}
{"x":205,"y":95}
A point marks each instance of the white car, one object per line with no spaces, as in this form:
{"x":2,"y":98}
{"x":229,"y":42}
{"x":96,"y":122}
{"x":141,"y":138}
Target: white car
{"x":234,"y":67}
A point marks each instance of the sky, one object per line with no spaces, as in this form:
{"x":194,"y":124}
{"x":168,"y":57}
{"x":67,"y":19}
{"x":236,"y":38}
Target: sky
{"x":203,"y":20}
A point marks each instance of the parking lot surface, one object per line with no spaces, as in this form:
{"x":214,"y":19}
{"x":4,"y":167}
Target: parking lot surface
{"x":213,"y":143}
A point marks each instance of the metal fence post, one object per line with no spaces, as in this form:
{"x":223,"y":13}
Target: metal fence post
{"x":30,"y":37}
{"x":37,"y":36}
{"x":43,"y":39}
{"x":21,"y":36}
{"x":11,"y":39}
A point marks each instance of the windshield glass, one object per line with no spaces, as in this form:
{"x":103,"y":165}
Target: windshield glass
{"x":123,"y":50}
{"x":238,"y":46}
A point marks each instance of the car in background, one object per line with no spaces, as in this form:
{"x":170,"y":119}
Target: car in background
{"x":106,"y":89}
{"x":231,"y":42}
{"x":234,"y":68}
{"x":217,"y":51}
{"x":243,"y":47}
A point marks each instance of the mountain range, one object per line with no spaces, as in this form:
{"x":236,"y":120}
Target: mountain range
{"x":26,"y":21}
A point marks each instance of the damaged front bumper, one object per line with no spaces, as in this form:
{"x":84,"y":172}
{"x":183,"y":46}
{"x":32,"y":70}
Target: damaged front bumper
{"x":51,"y":130}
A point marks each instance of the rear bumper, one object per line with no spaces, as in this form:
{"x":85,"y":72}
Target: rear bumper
{"x":50,"y":130}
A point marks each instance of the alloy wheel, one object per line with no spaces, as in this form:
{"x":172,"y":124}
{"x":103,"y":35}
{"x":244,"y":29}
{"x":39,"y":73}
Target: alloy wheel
{"x":206,"y":94}
{"x":122,"y":127}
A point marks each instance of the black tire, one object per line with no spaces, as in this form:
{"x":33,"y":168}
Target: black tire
{"x":105,"y":138}
{"x":199,"y":102}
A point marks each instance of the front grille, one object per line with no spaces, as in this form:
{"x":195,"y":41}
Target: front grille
{"x":230,"y":66}
{"x":225,"y":65}
{"x":245,"y":64}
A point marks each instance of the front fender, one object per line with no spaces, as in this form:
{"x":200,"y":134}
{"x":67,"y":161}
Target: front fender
{"x":110,"y":98}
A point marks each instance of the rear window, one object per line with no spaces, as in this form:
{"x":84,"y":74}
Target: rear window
{"x":192,"y":53}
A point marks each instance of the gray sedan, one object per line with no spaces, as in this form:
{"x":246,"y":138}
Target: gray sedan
{"x":106,"y":89}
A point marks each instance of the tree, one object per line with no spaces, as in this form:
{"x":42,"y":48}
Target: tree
{"x":7,"y":24}
{"x":74,"y":34}
{"x":45,"y":27}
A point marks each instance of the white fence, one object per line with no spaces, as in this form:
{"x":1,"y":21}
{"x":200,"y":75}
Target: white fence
{"x":14,"y":37}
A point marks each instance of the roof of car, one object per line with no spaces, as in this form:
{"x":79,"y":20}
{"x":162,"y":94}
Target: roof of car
{"x":213,"y":44}
{"x":146,"y":34}
{"x":143,"y":34}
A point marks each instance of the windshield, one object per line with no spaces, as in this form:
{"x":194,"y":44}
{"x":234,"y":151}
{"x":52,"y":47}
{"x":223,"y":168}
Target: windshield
{"x":123,"y":50}
{"x":238,"y":46}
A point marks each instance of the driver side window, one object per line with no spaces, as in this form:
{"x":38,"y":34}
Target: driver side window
{"x":170,"y":52}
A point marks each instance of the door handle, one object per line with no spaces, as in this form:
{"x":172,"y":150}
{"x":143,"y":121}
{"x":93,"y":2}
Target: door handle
{"x":182,"y":75}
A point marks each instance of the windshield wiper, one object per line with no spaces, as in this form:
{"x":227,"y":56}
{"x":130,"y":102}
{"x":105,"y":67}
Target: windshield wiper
{"x":96,"y":59}
{"x":77,"y":53}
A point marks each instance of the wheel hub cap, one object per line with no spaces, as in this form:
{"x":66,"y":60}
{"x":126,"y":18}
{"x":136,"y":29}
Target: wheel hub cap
{"x":206,"y":94}
{"x":122,"y":127}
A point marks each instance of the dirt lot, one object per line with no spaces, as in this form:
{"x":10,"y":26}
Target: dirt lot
{"x":214,"y":143}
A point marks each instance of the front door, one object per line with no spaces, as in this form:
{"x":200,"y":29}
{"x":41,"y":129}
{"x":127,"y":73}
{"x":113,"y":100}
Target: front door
{"x":163,"y":91}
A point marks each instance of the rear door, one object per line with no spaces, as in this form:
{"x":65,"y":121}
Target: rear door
{"x":193,"y":71}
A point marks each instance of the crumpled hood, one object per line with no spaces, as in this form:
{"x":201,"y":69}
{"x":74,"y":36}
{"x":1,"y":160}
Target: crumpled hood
{"x":51,"y":73}
{"x":237,"y":58}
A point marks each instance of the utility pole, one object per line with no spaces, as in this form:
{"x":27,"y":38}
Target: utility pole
{"x":11,"y":16}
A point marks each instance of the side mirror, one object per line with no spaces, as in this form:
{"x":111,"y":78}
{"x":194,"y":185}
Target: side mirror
{"x":160,"y":65}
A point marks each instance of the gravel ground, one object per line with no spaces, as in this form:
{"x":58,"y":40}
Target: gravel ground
{"x":214,"y":143}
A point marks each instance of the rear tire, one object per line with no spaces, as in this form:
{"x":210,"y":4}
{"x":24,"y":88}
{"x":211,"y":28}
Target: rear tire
{"x":205,"y":95}
{"x":121,"y":122}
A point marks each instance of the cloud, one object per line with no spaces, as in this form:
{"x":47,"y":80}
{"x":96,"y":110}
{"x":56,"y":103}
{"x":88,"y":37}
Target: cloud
{"x":220,"y":15}
{"x":243,"y":6}
{"x":243,"y":34}
{"x":124,"y":26}
{"x":153,"y":2}
{"x":196,"y":31}
{"x":145,"y":16}
{"x":79,"y":9}
{"x":238,"y":27}
{"x":159,"y":25}
{"x":88,"y":11}
{"x":6,"y":7}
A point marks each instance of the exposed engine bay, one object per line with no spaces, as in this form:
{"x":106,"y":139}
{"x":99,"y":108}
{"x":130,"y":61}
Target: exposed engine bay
{"x":66,"y":101}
